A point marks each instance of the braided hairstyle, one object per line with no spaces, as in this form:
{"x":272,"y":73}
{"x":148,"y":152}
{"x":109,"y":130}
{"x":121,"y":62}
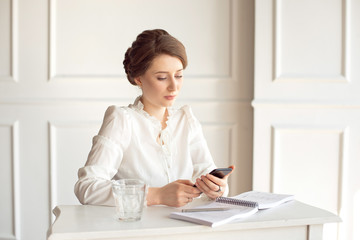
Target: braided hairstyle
{"x":148,"y":45}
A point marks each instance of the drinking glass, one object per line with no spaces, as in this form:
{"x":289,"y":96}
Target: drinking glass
{"x":129,"y":197}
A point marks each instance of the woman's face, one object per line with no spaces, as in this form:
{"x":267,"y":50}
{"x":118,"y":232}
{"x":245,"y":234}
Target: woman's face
{"x":162,"y":82}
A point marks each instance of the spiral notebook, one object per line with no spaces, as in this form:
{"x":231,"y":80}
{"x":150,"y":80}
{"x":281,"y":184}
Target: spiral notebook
{"x":240,"y":206}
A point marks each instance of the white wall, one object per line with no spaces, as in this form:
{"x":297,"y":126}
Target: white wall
{"x":61,"y":66}
{"x":307,"y":105}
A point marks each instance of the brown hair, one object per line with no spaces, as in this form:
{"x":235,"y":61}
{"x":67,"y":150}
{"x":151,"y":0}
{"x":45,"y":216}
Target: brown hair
{"x":148,"y":45}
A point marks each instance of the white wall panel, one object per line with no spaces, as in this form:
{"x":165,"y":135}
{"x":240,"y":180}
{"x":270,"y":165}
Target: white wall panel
{"x":5,"y":40}
{"x":9,"y":205}
{"x":90,"y":49}
{"x":96,"y":42}
{"x":303,"y":40}
{"x":310,"y":50}
{"x":308,"y":159}
{"x":70,"y":144}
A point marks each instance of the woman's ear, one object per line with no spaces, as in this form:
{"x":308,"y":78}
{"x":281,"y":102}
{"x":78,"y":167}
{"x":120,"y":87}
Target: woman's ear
{"x":138,"y":81}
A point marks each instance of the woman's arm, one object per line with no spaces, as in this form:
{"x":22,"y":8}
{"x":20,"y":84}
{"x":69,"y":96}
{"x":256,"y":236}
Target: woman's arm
{"x":94,"y":184}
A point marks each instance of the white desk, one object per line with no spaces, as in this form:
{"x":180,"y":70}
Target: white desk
{"x":293,"y":220}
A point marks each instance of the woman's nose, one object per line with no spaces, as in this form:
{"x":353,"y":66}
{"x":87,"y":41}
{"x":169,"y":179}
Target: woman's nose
{"x":172,"y":84}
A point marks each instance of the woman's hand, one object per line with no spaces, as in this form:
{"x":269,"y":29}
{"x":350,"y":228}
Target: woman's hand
{"x":175,"y":194}
{"x":213,"y":186}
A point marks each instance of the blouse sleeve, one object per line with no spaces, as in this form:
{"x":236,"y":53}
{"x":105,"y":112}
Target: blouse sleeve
{"x":94,"y":183}
{"x":201,"y":157}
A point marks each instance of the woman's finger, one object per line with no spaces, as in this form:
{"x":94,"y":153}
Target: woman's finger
{"x":210,"y":188}
{"x":205,"y":189}
{"x":212,"y":182}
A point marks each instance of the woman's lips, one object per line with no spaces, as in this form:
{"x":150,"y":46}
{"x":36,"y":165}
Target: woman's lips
{"x":172,"y":97}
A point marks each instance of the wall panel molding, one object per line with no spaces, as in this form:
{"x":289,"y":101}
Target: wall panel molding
{"x":278,"y":45}
{"x":13,"y":43}
{"x":54,"y":75}
{"x":333,"y":156}
{"x":57,"y":160}
{"x":210,"y":65}
{"x":310,"y":161}
{"x":324,"y":104}
{"x":52,"y":170}
{"x":12,"y":127}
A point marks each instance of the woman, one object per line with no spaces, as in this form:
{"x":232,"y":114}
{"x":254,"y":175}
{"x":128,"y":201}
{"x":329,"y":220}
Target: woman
{"x":149,"y":139}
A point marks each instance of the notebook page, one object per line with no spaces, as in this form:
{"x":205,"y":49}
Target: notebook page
{"x":265,"y":199}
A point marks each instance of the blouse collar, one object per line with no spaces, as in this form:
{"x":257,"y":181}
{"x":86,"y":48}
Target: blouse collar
{"x":139,"y":107}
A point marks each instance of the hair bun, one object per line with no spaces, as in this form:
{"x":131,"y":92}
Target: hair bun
{"x":127,"y":66}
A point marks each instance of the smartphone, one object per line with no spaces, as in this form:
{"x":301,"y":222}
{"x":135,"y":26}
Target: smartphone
{"x":221,"y":172}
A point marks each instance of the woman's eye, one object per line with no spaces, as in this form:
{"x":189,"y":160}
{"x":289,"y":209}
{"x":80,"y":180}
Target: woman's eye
{"x":161,"y":78}
{"x":180,"y":76}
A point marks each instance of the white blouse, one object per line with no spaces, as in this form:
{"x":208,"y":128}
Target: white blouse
{"x":127,"y":146}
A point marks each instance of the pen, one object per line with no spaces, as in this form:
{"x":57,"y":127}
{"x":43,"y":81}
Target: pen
{"x":203,"y":209}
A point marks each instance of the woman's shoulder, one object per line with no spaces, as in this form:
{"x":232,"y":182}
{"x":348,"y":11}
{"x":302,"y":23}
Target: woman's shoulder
{"x":187,"y":111}
{"x":115,"y":126}
{"x":116,"y":112}
{"x":113,"y":109}
{"x":187,"y":114}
